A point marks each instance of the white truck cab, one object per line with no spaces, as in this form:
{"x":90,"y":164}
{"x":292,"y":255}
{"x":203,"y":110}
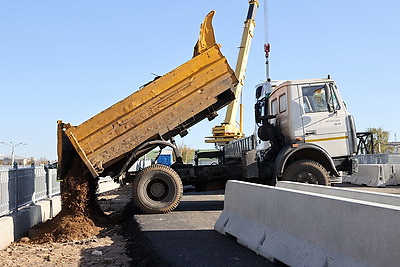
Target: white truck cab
{"x":304,"y":134}
{"x":306,"y":121}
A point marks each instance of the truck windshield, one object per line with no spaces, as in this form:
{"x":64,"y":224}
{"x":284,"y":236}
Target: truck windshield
{"x":314,"y":99}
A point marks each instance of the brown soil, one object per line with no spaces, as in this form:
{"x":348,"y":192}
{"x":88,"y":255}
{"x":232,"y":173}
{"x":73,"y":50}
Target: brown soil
{"x":121,"y":244}
{"x":106,"y":249}
{"x":81,"y":216}
{"x":82,"y":234}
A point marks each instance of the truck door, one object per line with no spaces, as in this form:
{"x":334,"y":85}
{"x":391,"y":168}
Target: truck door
{"x":324,"y":118}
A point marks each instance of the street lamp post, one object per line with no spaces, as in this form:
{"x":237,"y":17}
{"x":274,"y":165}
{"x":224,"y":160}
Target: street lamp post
{"x":12,"y":145}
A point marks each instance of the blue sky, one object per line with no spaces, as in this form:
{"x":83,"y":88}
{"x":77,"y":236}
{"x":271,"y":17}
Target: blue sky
{"x":71,"y":59}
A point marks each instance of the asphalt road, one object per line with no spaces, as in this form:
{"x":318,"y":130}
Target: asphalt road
{"x":185,"y":237}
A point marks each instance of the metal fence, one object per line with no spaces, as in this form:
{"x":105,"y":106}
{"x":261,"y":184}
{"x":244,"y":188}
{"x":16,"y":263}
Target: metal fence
{"x":235,"y":148}
{"x":21,"y":187}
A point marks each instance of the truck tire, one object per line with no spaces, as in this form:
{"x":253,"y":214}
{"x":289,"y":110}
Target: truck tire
{"x":157,"y":189}
{"x":307,"y":171}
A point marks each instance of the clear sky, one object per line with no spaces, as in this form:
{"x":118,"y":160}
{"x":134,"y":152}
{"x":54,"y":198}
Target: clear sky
{"x":71,"y":59}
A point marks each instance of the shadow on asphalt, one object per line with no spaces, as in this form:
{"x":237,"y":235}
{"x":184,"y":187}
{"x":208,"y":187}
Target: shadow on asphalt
{"x":213,"y":201}
{"x":202,"y":205}
{"x":205,"y":205}
{"x":202,"y":201}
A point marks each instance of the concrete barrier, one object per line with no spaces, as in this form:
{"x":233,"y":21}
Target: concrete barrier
{"x":25,"y":218}
{"x":6,"y":231}
{"x":375,"y":175}
{"x":382,"y":198}
{"x":396,"y":173}
{"x":301,"y":228}
{"x":55,"y":205}
{"x":45,"y":210}
{"x":17,"y":225}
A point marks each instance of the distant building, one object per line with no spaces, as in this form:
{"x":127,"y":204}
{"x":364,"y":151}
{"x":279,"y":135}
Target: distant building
{"x":395,"y":145}
{"x":6,"y":160}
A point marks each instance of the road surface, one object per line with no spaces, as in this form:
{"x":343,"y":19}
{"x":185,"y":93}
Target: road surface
{"x":185,"y":237}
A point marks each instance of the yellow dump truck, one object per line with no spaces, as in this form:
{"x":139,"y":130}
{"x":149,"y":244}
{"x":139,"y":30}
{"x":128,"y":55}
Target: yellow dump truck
{"x":111,"y":141}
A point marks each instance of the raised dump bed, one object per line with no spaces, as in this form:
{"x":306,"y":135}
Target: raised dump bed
{"x":160,"y":110}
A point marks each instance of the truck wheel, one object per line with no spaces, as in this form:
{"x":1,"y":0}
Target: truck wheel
{"x":307,"y":171}
{"x":157,"y":189}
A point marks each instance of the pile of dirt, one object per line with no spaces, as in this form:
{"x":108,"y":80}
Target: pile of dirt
{"x":81,"y":216}
{"x":120,"y":244}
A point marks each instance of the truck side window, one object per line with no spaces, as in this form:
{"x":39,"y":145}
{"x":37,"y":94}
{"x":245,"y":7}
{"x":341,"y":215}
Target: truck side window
{"x":314,"y":99}
{"x":282,"y":103}
{"x":306,"y":105}
{"x":274,"y":107}
{"x":335,"y":101}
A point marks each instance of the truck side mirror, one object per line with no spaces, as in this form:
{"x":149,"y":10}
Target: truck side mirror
{"x":329,"y":98}
{"x":258,"y":91}
{"x":257,"y":112}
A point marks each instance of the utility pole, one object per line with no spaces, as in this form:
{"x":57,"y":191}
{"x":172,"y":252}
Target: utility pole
{"x":12,"y":145}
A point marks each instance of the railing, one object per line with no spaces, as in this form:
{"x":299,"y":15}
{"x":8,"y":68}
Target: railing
{"x":365,"y":143}
{"x":235,"y":148}
{"x":21,"y":187}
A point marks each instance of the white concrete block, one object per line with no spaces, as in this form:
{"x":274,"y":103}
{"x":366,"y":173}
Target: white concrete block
{"x":35,"y":216}
{"x":6,"y":231}
{"x":309,"y":229}
{"x":24,"y":219}
{"x":396,"y":174}
{"x":375,"y":175}
{"x":18,"y":224}
{"x":45,"y":209}
{"x":55,"y":205}
{"x":382,"y":198}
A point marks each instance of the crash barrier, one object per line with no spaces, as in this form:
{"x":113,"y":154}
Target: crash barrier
{"x":302,"y":228}
{"x":376,"y":170}
{"x":382,"y":198}
{"x":393,"y":158}
{"x":24,"y":186}
{"x":17,"y":224}
{"x":376,"y":175}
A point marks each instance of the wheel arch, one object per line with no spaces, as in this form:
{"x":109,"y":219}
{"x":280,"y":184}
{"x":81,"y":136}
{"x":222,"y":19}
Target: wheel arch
{"x":143,"y":149}
{"x":290,"y":154}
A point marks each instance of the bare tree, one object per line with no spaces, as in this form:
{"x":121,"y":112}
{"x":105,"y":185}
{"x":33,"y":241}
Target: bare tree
{"x":187,"y":153}
{"x":381,"y":139}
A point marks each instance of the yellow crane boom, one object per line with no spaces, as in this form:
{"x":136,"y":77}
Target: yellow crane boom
{"x":228,"y":130}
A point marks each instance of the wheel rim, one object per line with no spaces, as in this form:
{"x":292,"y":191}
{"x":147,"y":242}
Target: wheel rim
{"x":157,"y":189}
